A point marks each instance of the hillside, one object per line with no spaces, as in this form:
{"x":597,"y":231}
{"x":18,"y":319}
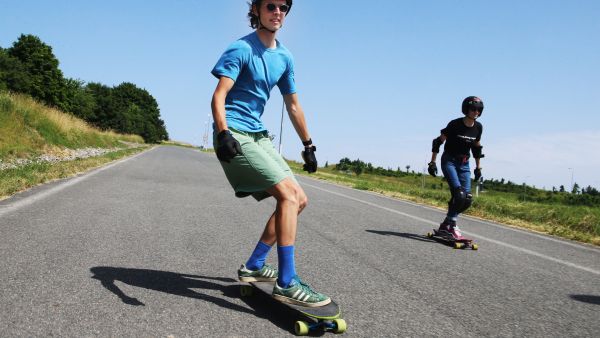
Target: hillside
{"x":39,"y":143}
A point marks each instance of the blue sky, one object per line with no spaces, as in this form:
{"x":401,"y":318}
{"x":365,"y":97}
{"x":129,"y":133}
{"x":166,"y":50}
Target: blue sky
{"x":377,"y":80}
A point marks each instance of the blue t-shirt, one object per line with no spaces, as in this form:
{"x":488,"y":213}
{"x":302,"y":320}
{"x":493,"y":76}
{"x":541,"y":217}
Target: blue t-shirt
{"x":255,"y":70}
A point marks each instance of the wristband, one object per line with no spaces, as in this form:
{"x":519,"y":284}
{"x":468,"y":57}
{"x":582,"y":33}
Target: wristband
{"x":307,"y":143}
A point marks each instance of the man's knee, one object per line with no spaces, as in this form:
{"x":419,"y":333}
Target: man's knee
{"x":302,"y":200}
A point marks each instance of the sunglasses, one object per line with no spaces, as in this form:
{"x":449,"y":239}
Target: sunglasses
{"x":282,"y":8}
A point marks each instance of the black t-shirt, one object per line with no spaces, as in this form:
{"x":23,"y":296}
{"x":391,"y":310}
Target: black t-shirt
{"x":460,"y":138}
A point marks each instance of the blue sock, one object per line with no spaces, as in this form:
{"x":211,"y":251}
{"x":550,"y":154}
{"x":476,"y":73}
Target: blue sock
{"x":258,"y":257}
{"x":287,"y":268}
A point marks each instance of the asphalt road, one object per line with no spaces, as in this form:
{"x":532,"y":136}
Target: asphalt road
{"x":149,"y":246}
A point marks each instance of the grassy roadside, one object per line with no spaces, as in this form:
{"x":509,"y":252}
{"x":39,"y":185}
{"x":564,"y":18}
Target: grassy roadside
{"x":32,"y":133}
{"x":22,"y":178}
{"x":29,"y":129}
{"x":578,"y":223}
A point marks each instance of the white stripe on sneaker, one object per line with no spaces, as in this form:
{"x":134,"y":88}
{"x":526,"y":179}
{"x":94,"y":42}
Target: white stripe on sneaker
{"x":296,"y":293}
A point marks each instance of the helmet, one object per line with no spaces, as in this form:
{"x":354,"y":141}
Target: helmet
{"x":472,"y":102}
{"x":254,"y":20}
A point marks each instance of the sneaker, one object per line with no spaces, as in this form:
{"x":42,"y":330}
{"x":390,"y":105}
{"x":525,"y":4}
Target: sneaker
{"x":267,"y":273}
{"x":444,"y":229}
{"x":455,"y":233}
{"x":300,"y":293}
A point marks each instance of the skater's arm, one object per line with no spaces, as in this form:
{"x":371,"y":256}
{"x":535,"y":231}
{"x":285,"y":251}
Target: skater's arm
{"x":218,"y":102}
{"x":478,"y":158}
{"x":437,"y":142}
{"x":296,"y":115}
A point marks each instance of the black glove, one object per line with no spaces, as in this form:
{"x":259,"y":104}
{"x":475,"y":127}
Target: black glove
{"x":228,"y":146}
{"x":310,"y":161}
{"x":432,"y":169}
{"x":477,"y":172}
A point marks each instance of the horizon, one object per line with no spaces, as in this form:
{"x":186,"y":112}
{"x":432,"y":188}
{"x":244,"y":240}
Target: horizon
{"x":376,"y":84}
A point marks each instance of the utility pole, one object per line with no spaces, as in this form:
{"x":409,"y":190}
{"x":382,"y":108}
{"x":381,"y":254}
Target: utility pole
{"x":281,"y":125}
{"x":572,"y":172}
{"x":205,"y":136}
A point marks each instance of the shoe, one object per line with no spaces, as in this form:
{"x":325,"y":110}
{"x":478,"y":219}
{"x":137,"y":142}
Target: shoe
{"x":445,"y":227}
{"x":455,"y":233}
{"x":300,"y":293}
{"x":267,"y":273}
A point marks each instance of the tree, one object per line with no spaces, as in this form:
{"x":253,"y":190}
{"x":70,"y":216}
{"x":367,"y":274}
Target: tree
{"x":407,"y":167}
{"x":13,"y":75}
{"x":46,"y":79}
{"x":561,"y":188}
{"x":575,"y":189}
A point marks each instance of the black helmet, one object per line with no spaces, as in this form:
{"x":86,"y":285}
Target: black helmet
{"x":472,"y":102}
{"x":254,"y":21}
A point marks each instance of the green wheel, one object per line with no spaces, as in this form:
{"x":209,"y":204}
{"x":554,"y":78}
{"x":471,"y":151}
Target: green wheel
{"x":301,"y":328}
{"x":475,"y":246}
{"x":340,"y":325}
{"x":458,"y":245}
{"x":246,"y":291}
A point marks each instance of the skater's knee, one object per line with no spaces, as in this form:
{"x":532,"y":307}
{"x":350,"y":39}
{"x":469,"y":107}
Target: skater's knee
{"x":286,"y":192}
{"x":302,"y":201}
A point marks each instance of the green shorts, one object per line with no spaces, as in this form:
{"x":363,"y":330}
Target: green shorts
{"x":258,"y":168}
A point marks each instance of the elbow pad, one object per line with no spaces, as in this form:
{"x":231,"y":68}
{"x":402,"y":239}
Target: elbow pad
{"x":435,"y":145}
{"x":477,"y":152}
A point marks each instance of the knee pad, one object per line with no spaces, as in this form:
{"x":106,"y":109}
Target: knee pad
{"x":467,"y":202}
{"x":458,"y":199}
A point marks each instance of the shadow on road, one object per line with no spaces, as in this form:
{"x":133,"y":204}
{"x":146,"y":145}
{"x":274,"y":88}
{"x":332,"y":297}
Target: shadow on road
{"x":587,"y":299}
{"x":401,"y":234}
{"x":168,"y":282}
{"x":182,"y":284}
{"x":280,"y":315}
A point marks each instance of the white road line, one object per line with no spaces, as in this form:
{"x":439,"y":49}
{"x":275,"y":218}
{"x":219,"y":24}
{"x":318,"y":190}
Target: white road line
{"x":4,"y":209}
{"x":513,"y":247}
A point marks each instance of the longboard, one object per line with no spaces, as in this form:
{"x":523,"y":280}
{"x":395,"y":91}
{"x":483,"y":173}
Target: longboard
{"x":326,"y":316}
{"x":455,"y":243}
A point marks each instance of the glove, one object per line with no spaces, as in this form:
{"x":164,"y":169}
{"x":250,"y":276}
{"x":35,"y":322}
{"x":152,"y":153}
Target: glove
{"x":432,"y":169}
{"x":228,"y":147}
{"x":477,"y":173}
{"x":310,"y":161}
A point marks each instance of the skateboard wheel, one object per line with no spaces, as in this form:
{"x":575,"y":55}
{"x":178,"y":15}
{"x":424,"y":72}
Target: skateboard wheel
{"x":246,"y":291}
{"x":429,"y":234}
{"x":340,"y":325}
{"x":458,"y":245}
{"x":301,"y":328}
{"x":475,"y":247}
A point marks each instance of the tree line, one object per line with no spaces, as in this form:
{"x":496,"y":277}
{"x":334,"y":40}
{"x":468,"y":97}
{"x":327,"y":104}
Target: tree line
{"x":30,"y":67}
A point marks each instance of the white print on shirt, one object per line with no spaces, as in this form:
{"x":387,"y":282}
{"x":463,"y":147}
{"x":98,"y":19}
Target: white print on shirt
{"x":467,"y":139}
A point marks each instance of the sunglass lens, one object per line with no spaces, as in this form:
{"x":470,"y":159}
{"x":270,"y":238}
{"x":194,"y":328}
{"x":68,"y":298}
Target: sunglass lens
{"x":282,"y":8}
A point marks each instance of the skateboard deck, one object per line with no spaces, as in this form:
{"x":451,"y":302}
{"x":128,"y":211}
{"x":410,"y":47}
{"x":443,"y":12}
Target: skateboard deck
{"x":326,"y":316}
{"x":455,"y":243}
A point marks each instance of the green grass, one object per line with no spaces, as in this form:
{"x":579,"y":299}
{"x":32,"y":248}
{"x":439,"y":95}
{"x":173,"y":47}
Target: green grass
{"x":18,"y":179}
{"x":579,"y":223}
{"x":29,"y":129}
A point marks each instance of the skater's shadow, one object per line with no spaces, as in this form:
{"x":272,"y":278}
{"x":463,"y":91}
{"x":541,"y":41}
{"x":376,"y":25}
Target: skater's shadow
{"x":168,"y":282}
{"x":401,"y":234}
{"x":587,"y":299}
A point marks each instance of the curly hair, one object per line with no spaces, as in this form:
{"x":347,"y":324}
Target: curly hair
{"x":254,"y":18}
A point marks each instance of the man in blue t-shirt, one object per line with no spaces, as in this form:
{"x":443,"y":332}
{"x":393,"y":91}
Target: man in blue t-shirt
{"x":247,"y":72}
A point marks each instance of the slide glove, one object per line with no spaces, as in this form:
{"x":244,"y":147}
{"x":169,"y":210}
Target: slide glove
{"x":228,"y":147}
{"x":477,"y":172}
{"x":432,"y":169}
{"x":310,"y":161}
